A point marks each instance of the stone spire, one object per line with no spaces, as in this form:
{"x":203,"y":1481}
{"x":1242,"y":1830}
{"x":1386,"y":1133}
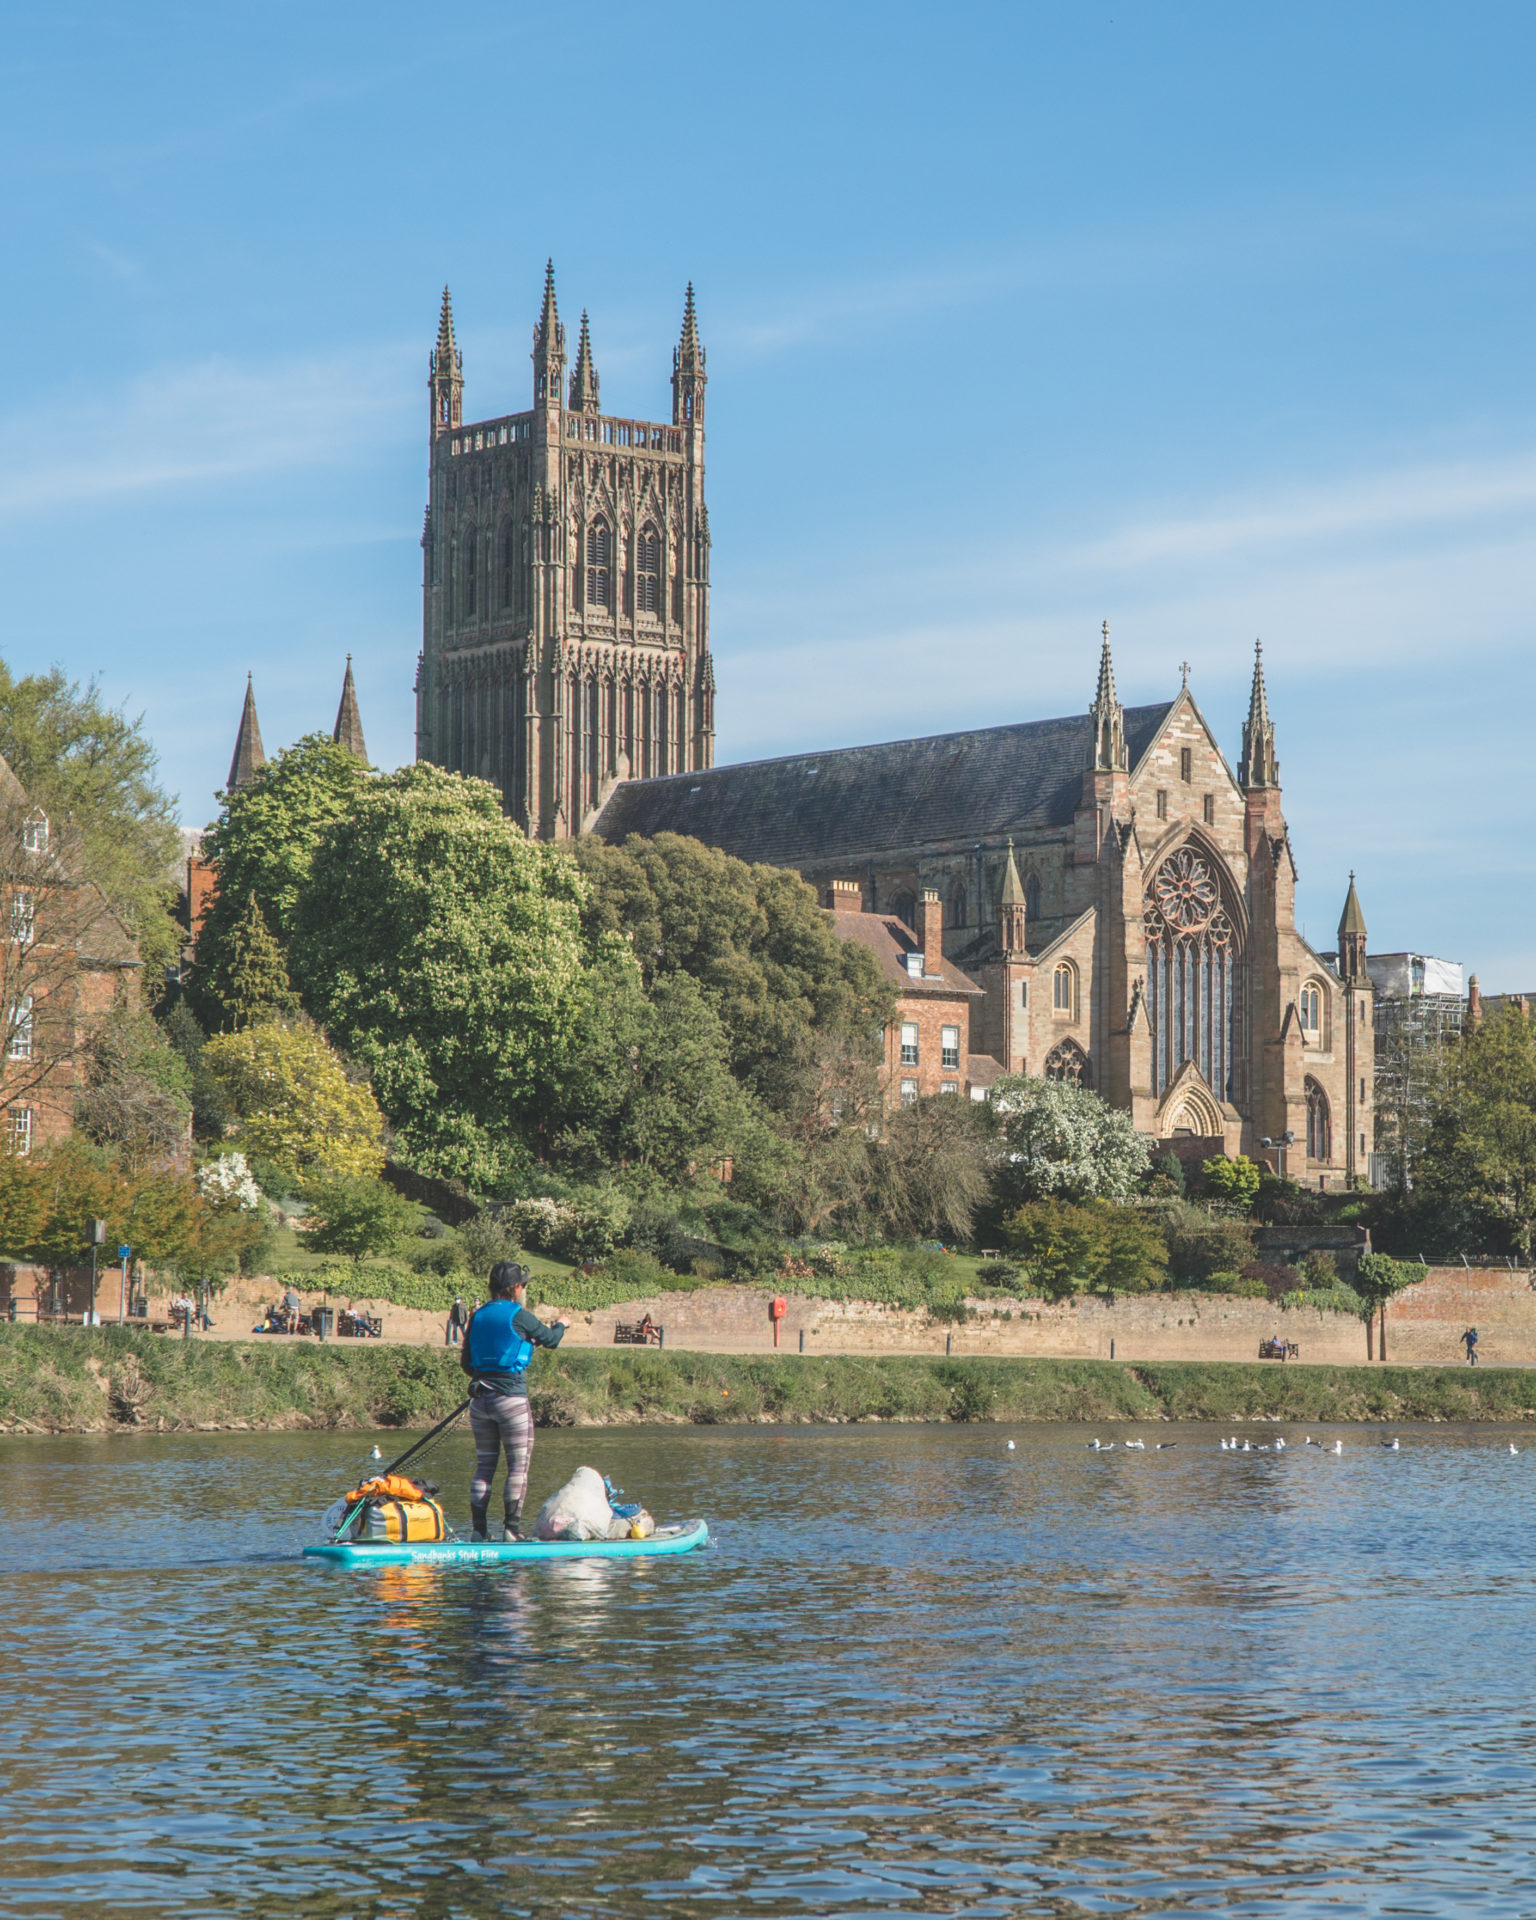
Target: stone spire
{"x":1352,"y":936}
{"x":249,"y":756}
{"x":1011,"y":916}
{"x":584,"y":378}
{"x":445,"y":376}
{"x":1474,"y":1017}
{"x":548,"y":347}
{"x":1258,"y":766}
{"x":688,"y":379}
{"x":1108,"y":717}
{"x":348,"y":730}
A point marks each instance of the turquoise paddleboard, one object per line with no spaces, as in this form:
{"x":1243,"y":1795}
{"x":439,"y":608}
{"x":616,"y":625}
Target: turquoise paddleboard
{"x":484,"y":1553}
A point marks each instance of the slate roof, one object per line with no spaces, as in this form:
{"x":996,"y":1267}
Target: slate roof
{"x":856,"y":802}
{"x":891,"y":940}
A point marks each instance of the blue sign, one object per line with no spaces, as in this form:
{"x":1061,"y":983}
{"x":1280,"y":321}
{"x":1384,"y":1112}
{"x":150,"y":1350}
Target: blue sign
{"x":123,"y":1252}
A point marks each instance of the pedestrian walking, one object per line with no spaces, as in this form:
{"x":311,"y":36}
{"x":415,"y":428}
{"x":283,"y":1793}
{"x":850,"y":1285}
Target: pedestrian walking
{"x":1469,"y":1341}
{"x":457,"y":1318}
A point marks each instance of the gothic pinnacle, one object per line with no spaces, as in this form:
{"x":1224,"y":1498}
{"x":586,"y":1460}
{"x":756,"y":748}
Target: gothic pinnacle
{"x":1105,"y":697}
{"x":1258,"y":766}
{"x":548,"y":344}
{"x":690,"y":339}
{"x":584,"y":377}
{"x":1013,"y":891}
{"x":249,"y":756}
{"x":348,"y":730}
{"x":445,"y":346}
{"x":1108,"y":717}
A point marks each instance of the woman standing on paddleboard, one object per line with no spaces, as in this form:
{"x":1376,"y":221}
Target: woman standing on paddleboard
{"x":498,"y":1344}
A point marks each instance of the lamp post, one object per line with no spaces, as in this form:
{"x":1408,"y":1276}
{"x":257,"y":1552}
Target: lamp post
{"x":123,"y":1254}
{"x":98,"y":1238}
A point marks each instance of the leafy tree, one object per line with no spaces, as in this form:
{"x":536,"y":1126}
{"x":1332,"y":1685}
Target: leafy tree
{"x":96,"y":776}
{"x":1166,"y":1176}
{"x":1478,"y":1164}
{"x":162,"y":1218}
{"x":211,"y":1112}
{"x":754,"y":939}
{"x":1059,"y":1140}
{"x":1377,"y":1279}
{"x":136,"y":1094}
{"x":23,"y":1202}
{"x":263,"y":845}
{"x":1235,"y":1180}
{"x":293,"y":1101}
{"x":80,"y":1183}
{"x":1200,"y":1244}
{"x":819,"y":1165}
{"x":1095,"y":1248}
{"x":356,"y":1215}
{"x":444,"y":951}
{"x":259,"y":988}
{"x":931,"y":1169}
{"x":648,"y":1083}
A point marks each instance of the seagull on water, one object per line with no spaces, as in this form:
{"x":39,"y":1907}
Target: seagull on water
{"x":1101,"y":1446}
{"x":1513,"y":1448}
{"x":1247,"y":1447}
{"x":1010,"y":1446}
{"x":375,"y":1455}
{"x":1338,"y":1446}
{"x":1391,"y":1445}
{"x":1166,"y":1446}
{"x":1279,"y":1444}
{"x":1140,"y":1444}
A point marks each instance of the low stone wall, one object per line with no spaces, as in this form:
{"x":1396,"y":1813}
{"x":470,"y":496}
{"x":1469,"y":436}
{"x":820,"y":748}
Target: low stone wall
{"x":1424,"y":1324}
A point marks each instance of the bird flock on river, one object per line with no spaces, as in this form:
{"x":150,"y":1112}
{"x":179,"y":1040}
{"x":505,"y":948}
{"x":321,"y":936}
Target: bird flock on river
{"x":1234,"y":1445}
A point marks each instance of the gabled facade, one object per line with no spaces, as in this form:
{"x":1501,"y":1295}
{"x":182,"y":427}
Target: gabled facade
{"x":1125,"y":901}
{"x":565,"y":588}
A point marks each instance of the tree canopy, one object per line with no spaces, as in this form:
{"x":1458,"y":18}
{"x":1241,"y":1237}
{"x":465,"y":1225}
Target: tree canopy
{"x":754,"y":939}
{"x":1059,"y":1140}
{"x":263,"y":845}
{"x":95,"y":774}
{"x":1476,"y":1174}
{"x":443,"y":951}
{"x":293,"y":1102}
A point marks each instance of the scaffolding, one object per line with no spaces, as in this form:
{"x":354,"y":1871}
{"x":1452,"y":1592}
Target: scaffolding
{"x":1419,"y":1007}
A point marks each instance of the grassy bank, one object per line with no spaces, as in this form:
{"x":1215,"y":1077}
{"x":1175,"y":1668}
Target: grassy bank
{"x":66,"y":1380}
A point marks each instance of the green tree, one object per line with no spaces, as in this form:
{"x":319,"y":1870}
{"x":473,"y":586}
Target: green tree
{"x":1235,"y":1180}
{"x":23,"y":1202}
{"x":647,"y":1081}
{"x":96,"y":776}
{"x":753,"y":937}
{"x":137,"y":1091}
{"x":263,"y":845}
{"x":1477,"y":1169}
{"x":932,"y":1165}
{"x":357,"y":1215}
{"x":1058,"y":1140}
{"x":294,"y":1104}
{"x":259,"y":988}
{"x":1201,"y":1244}
{"x":1094,"y":1248}
{"x":211,"y":1112}
{"x":1377,"y":1279}
{"x":444,"y":952}
{"x":80,"y":1183}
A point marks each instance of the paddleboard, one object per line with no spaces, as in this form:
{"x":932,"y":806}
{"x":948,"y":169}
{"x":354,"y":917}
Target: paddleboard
{"x":485,"y":1553}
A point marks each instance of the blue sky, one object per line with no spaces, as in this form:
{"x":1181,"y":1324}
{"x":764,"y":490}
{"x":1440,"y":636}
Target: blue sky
{"x":1211,"y":321}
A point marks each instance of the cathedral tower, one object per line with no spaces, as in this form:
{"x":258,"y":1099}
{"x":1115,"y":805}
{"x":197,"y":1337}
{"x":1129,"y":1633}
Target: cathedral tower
{"x":565,"y":629}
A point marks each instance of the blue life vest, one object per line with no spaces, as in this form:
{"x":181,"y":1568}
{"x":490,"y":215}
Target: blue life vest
{"x":495,"y":1345}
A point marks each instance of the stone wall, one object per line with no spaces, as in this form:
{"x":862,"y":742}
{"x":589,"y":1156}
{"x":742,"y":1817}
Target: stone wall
{"x":1423,"y":1324}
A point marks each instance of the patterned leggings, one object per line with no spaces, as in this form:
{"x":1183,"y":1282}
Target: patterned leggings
{"x":501,"y":1420}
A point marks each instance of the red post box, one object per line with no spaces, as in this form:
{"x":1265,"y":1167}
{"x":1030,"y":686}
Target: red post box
{"x":777,"y":1307}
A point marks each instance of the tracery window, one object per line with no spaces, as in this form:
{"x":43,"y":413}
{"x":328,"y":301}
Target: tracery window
{"x":648,"y":572}
{"x":1032,"y":896}
{"x":956,"y":908}
{"x":904,"y":906}
{"x":508,"y":564}
{"x":599,"y":564}
{"x":1312,"y":1010}
{"x":1319,"y":1123}
{"x":467,"y":603}
{"x":1193,"y":961}
{"x":1067,"y":1061}
{"x":1064,"y":989}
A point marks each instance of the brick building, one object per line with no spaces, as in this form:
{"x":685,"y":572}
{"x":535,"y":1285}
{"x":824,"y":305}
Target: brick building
{"x":565,"y":587}
{"x":928,"y":1043}
{"x":1124,"y":902}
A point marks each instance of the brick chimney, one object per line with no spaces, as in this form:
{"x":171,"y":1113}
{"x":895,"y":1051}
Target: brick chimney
{"x":845,"y":896}
{"x":930,"y":930}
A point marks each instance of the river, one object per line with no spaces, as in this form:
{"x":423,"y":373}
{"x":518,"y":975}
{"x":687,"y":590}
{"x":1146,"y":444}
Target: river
{"x":915,"y":1674}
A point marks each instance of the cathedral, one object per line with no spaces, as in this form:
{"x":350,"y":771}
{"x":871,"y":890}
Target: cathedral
{"x":1124,"y":903}
{"x":565,"y":585}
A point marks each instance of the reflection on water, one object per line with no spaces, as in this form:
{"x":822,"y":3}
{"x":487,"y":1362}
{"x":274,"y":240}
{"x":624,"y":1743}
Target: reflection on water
{"x":916,"y":1674}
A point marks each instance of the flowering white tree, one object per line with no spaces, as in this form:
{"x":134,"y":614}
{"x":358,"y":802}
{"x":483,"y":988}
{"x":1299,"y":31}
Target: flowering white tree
{"x":1059,"y":1140}
{"x":229,"y":1182}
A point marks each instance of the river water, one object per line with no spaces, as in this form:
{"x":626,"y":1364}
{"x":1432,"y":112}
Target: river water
{"x":915,"y":1674}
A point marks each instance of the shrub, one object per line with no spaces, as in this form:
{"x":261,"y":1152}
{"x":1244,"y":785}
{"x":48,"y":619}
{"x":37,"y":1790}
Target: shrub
{"x":1274,"y":1276}
{"x":1338,"y":1299}
{"x":1099,"y":1248}
{"x":1166,"y":1176}
{"x":639,"y":1271}
{"x":1200,"y":1244}
{"x":1320,"y":1271}
{"x":1236,"y":1285}
{"x":1235,"y":1180}
{"x":1282,"y":1203}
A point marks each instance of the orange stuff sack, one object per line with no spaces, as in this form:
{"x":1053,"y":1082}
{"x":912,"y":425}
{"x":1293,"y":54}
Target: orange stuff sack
{"x":391,"y":1486}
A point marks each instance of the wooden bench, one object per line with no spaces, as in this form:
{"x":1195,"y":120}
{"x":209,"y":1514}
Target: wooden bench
{"x":1279,"y":1350}
{"x":642,"y":1333}
{"x":359,"y":1326}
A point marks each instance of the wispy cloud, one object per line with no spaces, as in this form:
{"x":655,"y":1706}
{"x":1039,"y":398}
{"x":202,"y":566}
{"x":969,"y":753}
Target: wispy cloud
{"x":219,"y":420}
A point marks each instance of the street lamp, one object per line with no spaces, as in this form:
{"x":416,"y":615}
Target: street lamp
{"x":1285,"y":1140}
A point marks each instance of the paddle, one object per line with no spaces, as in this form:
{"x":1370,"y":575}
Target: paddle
{"x":395,"y":1465}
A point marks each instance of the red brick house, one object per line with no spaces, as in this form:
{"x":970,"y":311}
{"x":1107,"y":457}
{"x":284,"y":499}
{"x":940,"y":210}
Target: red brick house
{"x":928,"y":1044}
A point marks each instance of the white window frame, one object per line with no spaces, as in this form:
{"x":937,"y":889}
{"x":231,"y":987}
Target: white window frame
{"x":910,"y":1048}
{"x":1065,"y":1005}
{"x":949,"y":1086}
{"x":909,"y":1093}
{"x":18,"y":1130}
{"x":34,"y":834}
{"x":20,"y":1047}
{"x":949,"y":1049}
{"x":23,"y":916}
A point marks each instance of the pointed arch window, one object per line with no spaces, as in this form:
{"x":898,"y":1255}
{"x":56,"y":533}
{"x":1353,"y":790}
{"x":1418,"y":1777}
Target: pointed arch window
{"x":599,"y":564}
{"x":508,"y":565}
{"x":1032,"y":895}
{"x":1319,"y":1123}
{"x":1064,"y":990}
{"x":956,"y":907}
{"x":663,"y":732}
{"x":467,"y":599}
{"x":1311,"y":1009}
{"x":904,"y":907}
{"x":648,"y":588}
{"x":1193,"y":973}
{"x":1068,"y":1062}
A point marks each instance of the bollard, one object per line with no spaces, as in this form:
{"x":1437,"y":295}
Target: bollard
{"x":1111,"y":1349}
{"x":802,"y":1339}
{"x":661,"y":1336}
{"x":948,"y":1342}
